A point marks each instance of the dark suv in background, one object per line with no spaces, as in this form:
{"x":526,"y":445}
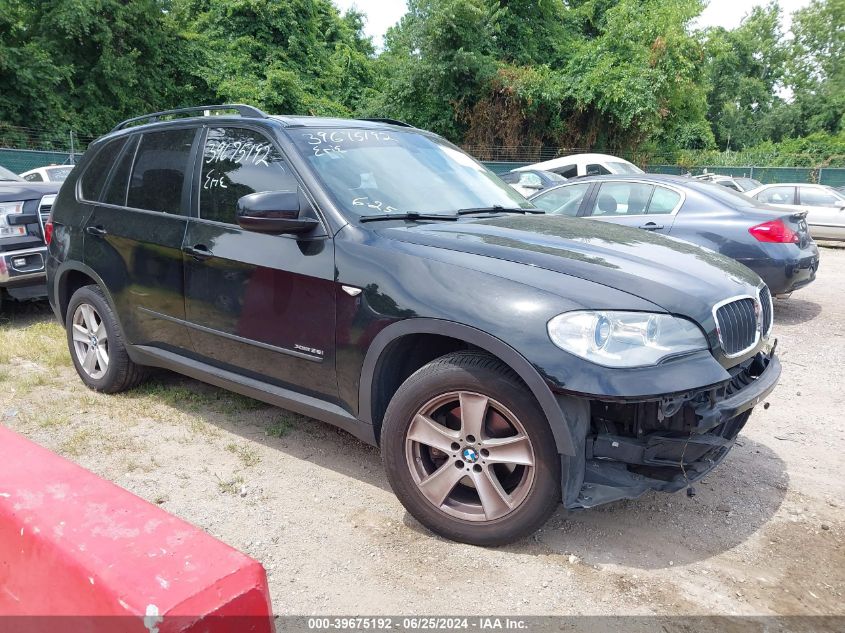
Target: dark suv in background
{"x":24,"y":209}
{"x":373,"y":276}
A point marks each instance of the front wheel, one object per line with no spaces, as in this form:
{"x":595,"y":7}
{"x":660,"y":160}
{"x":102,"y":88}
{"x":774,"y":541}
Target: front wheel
{"x":469,"y":452}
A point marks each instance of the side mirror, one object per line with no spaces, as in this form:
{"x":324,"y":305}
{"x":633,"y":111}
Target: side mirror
{"x":273,"y":212}
{"x":21,"y":219}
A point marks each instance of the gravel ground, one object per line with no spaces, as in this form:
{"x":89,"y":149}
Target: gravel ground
{"x":763,"y":536}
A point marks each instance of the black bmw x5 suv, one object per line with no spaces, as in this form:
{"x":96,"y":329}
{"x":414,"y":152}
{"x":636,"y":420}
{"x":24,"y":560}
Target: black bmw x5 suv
{"x":373,"y":276}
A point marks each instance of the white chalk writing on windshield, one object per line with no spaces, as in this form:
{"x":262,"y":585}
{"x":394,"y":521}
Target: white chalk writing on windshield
{"x":334,"y":141}
{"x":373,"y":204}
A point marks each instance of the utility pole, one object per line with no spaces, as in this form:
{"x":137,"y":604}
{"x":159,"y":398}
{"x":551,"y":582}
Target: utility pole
{"x":72,"y":155}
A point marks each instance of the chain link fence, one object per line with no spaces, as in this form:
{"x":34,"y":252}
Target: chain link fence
{"x":22,"y":149}
{"x":833,"y":176}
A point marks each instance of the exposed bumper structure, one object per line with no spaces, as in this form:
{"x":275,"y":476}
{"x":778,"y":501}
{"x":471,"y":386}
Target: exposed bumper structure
{"x":668,"y":444}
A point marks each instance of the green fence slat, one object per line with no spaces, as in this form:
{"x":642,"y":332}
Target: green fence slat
{"x":21,"y":160}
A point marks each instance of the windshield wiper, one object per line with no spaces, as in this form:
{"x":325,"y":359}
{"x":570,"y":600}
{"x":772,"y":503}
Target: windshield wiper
{"x":498,"y":209}
{"x":407,"y":216}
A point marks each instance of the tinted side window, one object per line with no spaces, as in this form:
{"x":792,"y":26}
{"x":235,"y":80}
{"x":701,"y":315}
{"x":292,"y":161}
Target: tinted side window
{"x":597,"y":170}
{"x":36,"y":177}
{"x":563,"y":200}
{"x":95,"y":175}
{"x":159,"y":170}
{"x":567,"y":171}
{"x":119,"y":183}
{"x":777,"y":195}
{"x":238,"y":162}
{"x":663,"y":201}
{"x":622,"y":198}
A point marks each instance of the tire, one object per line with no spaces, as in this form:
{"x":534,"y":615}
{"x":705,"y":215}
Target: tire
{"x":512,"y":427}
{"x":111,"y":370}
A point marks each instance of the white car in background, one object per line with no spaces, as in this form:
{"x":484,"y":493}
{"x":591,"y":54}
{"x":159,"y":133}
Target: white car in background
{"x":825,"y":206}
{"x":585,"y":165}
{"x":51,"y":173}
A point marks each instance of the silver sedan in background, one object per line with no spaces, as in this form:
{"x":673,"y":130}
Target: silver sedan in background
{"x":825,"y":206}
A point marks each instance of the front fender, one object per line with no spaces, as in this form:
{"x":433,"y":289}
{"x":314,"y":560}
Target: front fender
{"x":526,"y":371}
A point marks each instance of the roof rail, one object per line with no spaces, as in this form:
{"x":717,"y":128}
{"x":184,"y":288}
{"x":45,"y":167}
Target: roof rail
{"x":242,"y":109}
{"x":388,"y":121}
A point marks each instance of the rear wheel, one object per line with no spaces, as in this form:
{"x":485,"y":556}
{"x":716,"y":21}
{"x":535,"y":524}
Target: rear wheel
{"x":96,"y":344}
{"x":469,"y":452}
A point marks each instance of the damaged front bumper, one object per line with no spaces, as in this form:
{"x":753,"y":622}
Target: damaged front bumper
{"x":661,"y":444}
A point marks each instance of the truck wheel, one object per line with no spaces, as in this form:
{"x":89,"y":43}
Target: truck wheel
{"x":96,"y":345}
{"x":469,"y":452}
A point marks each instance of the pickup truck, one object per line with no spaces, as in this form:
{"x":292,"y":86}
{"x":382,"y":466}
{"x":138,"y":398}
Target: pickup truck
{"x":24,"y":211}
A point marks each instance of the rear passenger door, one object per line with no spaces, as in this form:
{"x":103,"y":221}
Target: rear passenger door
{"x":640,"y":205}
{"x":257,"y":304}
{"x":134,"y":235}
{"x":825,"y":211}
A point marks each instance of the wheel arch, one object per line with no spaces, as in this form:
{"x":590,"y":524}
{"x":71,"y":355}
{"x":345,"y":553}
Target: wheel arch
{"x":70,"y":278}
{"x":376,"y":388}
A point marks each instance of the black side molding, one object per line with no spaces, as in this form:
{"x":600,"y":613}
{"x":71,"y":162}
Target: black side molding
{"x":271,"y":394}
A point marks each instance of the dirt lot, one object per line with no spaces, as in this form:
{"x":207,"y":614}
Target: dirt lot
{"x":764,"y":535}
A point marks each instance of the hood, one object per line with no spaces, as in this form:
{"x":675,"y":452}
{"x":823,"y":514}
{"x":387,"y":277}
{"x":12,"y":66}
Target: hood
{"x":680,"y":277}
{"x":13,"y":190}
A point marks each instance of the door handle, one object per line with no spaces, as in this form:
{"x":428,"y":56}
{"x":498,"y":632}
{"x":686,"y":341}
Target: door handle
{"x":97,"y":231}
{"x":199,"y":252}
{"x":651,"y":226}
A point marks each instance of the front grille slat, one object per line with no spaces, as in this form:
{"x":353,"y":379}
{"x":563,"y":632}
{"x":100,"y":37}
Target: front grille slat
{"x":766,"y":304}
{"x":737,"y":322}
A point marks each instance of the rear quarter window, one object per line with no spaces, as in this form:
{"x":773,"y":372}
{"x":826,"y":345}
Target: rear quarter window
{"x":98,"y":169}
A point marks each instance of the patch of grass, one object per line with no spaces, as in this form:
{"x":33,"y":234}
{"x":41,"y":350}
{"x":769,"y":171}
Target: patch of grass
{"x":144,"y":465}
{"x":117,"y":443}
{"x":31,"y":381}
{"x":279,"y":427}
{"x":233,"y":403}
{"x":52,"y":420}
{"x":176,"y":396}
{"x":231,"y":486}
{"x":78,"y":442}
{"x":200,"y":427}
{"x":43,"y":343}
{"x":248,"y":455}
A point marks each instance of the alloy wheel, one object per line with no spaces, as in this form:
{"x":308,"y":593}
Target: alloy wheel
{"x":90,"y":341}
{"x":470,"y":456}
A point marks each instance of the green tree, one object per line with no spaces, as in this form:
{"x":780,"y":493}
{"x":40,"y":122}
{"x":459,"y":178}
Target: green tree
{"x":85,"y":64}
{"x":817,"y":66}
{"x":297,"y":57}
{"x":744,"y":69}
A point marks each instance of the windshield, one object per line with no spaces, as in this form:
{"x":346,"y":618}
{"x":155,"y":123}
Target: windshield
{"x":5,"y":174}
{"x":58,"y":174}
{"x":371,"y":172}
{"x":624,"y":168}
{"x":748,"y":184}
{"x":730,"y":197}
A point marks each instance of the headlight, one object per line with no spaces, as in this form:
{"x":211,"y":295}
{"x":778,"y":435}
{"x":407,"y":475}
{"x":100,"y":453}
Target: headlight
{"x":625,"y":339}
{"x":6,"y":209}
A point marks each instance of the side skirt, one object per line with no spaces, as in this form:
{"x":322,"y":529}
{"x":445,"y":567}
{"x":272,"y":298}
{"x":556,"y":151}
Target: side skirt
{"x":271,"y":394}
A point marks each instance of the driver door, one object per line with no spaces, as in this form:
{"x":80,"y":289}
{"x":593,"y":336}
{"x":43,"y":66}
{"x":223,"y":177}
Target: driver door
{"x":257,"y":304}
